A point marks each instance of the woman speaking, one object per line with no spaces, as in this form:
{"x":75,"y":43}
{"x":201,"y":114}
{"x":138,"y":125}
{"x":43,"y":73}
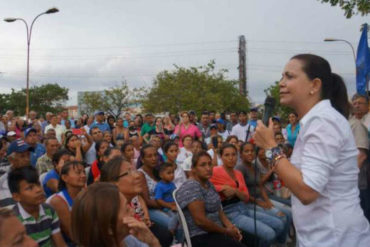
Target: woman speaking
{"x":322,"y":172}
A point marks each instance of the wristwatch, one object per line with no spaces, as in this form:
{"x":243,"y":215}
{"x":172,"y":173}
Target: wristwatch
{"x":274,"y":154}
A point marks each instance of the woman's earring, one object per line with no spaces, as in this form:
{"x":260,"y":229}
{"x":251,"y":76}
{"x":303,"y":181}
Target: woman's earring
{"x":311,"y":92}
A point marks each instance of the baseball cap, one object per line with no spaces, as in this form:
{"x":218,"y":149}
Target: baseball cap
{"x":29,"y":130}
{"x":276,"y":118}
{"x":254,"y":109}
{"x":99,"y":113}
{"x":19,"y":146}
{"x":221,"y":121}
{"x":11,"y":133}
{"x":213,"y":126}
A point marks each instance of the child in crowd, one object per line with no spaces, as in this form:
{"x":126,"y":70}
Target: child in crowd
{"x":185,"y":151}
{"x":40,"y":220}
{"x":163,"y":194}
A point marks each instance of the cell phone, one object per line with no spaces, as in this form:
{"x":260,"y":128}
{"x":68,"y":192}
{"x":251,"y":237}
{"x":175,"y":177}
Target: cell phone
{"x":77,"y":131}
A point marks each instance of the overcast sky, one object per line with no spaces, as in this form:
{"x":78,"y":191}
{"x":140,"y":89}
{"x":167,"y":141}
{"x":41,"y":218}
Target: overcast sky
{"x":95,"y":44}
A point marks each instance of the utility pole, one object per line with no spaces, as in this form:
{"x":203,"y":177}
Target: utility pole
{"x":242,"y":66}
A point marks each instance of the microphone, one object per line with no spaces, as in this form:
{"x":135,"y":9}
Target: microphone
{"x":270,"y":103}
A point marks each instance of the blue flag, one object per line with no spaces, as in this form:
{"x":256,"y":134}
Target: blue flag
{"x":363,"y":63}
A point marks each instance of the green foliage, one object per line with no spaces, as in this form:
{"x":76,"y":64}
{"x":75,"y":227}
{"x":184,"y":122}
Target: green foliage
{"x":194,"y":88}
{"x":280,"y":110}
{"x":351,"y":7}
{"x":113,"y":100}
{"x":44,"y":98}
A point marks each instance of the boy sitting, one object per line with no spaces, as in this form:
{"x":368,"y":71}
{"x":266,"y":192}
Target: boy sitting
{"x":163,"y":194}
{"x":40,"y":220}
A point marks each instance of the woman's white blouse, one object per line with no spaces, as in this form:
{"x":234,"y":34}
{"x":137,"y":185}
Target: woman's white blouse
{"x":326,"y":154}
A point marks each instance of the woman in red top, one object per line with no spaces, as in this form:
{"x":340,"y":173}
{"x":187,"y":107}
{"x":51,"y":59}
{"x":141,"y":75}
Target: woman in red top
{"x":230,"y":184}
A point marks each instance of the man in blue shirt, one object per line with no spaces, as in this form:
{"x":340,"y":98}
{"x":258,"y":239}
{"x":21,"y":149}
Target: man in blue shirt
{"x":32,"y":140}
{"x":100,"y":122}
{"x":253,"y":117}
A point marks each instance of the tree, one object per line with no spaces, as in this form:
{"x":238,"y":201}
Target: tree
{"x":113,"y":100}
{"x":194,"y":88}
{"x":351,"y":7}
{"x":279,"y":110}
{"x":44,"y":98}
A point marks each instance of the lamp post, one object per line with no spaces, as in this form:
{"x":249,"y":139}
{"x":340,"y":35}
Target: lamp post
{"x":347,"y":42}
{"x":29,"y":33}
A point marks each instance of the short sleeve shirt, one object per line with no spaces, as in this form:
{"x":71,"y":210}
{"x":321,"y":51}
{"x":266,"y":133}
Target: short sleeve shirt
{"x":163,"y":191}
{"x":192,"y":191}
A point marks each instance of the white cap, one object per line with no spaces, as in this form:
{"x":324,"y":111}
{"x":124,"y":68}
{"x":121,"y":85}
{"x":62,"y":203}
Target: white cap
{"x":11,"y":133}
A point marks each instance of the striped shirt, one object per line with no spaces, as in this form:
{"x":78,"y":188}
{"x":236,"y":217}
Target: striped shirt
{"x":6,"y":199}
{"x":40,"y":229}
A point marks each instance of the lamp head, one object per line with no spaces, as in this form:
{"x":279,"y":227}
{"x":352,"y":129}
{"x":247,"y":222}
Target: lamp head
{"x":52,"y":11}
{"x":329,"y":39}
{"x":10,"y":19}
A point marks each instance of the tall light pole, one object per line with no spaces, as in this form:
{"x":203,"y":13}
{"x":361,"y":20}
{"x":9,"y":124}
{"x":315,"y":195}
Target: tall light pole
{"x":347,"y":42}
{"x":29,"y":33}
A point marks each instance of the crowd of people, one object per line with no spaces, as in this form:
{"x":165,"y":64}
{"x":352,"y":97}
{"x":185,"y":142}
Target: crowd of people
{"x":106,"y":181}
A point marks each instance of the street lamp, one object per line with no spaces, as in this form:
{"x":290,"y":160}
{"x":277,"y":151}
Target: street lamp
{"x":347,"y":42}
{"x":29,"y":33}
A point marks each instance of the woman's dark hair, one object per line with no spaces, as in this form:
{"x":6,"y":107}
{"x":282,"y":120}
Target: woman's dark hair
{"x":110,"y":170}
{"x":197,"y":156}
{"x":97,"y":147}
{"x":228,"y":139}
{"x":94,"y":216}
{"x":294,"y":113}
{"x":168,"y":145}
{"x":109,"y":150}
{"x":65,"y":170}
{"x":68,"y":138}
{"x":143,"y":148}
{"x":332,"y":88}
{"x":203,"y":145}
{"x":58,"y":155}
{"x":125,"y":145}
{"x":227,"y":145}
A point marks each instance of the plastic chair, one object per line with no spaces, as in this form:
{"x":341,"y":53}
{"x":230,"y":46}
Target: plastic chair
{"x":184,"y":225}
{"x":42,"y":177}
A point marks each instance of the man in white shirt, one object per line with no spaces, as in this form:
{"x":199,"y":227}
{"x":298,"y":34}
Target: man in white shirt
{"x":243,"y":130}
{"x":59,"y":129}
{"x":360,"y":124}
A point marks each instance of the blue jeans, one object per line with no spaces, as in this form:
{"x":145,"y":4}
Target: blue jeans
{"x":159,"y":217}
{"x":273,"y":212}
{"x":268,"y":228}
{"x":168,"y":220}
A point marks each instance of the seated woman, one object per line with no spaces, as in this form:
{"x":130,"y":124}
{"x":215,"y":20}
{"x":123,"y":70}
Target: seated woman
{"x":119,"y":172}
{"x":51,"y":181}
{"x":171,"y":151}
{"x":230,"y":184}
{"x":197,"y":197}
{"x":73,"y":144}
{"x":72,"y":181}
{"x":128,"y":153}
{"x":258,"y":194}
{"x":100,"y":148}
{"x":101,"y":218}
{"x":268,"y":177}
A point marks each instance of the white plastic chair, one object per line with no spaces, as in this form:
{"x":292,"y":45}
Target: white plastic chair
{"x":42,"y":177}
{"x":184,"y":225}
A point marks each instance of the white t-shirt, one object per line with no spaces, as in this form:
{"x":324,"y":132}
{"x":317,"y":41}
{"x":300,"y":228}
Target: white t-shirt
{"x":212,"y":153}
{"x":59,"y":131}
{"x":326,"y":154}
{"x":90,"y":155}
{"x":182,"y":156}
{"x":241,"y":131}
{"x":180,"y":177}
